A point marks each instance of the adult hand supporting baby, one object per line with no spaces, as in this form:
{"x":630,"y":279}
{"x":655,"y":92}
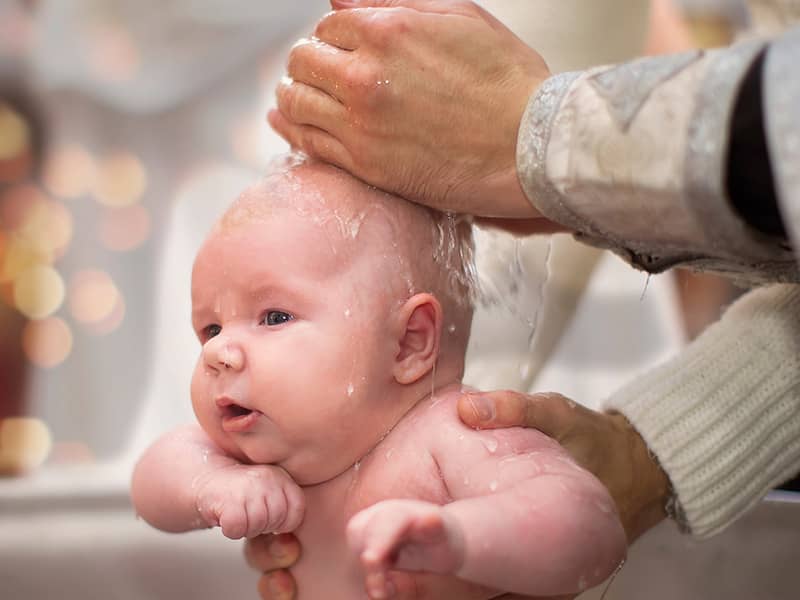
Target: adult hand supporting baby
{"x":603,"y":443}
{"x":273,"y":555}
{"x":422,"y":98}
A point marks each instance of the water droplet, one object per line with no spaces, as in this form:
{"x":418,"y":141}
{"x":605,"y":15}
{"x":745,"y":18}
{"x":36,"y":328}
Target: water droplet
{"x":389,"y":453}
{"x":350,"y":389}
{"x":491,"y":445}
{"x":492,"y":486}
{"x":604,"y":508}
{"x":347,"y":313}
{"x":452,"y":328}
{"x":357,"y":466}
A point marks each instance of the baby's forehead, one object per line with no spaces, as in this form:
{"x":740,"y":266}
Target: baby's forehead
{"x":326,"y":197}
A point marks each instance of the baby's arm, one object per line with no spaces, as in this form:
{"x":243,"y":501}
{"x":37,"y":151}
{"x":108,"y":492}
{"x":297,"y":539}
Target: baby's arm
{"x":184,"y":481}
{"x":524,"y":518}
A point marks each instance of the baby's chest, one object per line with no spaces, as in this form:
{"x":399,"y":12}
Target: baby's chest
{"x":328,"y":569}
{"x":388,"y":473}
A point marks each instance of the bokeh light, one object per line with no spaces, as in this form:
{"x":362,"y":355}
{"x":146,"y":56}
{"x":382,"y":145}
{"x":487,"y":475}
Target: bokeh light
{"x":92,"y":296}
{"x":69,"y":171}
{"x":24,"y":444}
{"x":16,"y":152}
{"x":37,"y":231}
{"x":18,"y":256}
{"x":126,"y":228}
{"x":15,"y":135}
{"x":112,"y":321}
{"x":38,"y":291}
{"x":121,"y":180}
{"x":47,"y":227}
{"x":47,"y":342}
{"x":113,"y":53}
{"x":17,"y":202}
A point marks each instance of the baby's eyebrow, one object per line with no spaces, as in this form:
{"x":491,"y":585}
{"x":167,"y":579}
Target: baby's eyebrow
{"x":263,"y":289}
{"x":200,"y":317}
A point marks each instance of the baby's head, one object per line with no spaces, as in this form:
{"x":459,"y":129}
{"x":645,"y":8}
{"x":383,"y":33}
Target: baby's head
{"x":325,"y":308}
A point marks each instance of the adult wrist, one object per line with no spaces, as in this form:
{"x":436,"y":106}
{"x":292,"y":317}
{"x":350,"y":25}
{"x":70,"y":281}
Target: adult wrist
{"x":644,"y":501}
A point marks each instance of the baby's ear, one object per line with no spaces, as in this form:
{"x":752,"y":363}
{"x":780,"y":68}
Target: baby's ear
{"x":420,"y":320}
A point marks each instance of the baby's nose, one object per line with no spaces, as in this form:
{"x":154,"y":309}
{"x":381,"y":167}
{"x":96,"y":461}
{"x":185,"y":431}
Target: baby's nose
{"x":224,"y":353}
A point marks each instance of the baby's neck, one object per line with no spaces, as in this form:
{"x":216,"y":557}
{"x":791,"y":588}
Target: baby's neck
{"x":439,"y":381}
{"x":442,"y":377}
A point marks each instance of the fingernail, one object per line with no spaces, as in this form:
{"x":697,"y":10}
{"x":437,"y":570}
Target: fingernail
{"x":483,"y":407}
{"x":278,"y":550}
{"x":278,"y":590}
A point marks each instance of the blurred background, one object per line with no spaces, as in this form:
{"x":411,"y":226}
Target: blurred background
{"x":114,"y":112}
{"x":126,"y":126}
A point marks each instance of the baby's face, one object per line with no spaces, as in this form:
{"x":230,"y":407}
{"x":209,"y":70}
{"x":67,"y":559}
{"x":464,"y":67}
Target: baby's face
{"x":296,"y":353}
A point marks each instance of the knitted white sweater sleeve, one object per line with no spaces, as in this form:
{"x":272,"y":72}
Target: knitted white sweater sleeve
{"x":723,"y":417}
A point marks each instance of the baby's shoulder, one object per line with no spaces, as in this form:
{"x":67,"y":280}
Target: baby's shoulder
{"x":434,"y":424}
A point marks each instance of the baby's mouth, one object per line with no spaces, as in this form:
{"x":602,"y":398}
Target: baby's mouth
{"x":234,"y":410}
{"x":236,"y":417}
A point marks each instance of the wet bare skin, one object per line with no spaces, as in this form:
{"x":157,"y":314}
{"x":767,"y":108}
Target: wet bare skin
{"x":306,"y":398}
{"x":403,"y":465}
{"x":400,"y":466}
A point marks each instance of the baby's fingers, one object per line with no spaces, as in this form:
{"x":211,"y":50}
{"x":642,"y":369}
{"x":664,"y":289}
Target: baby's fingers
{"x":373,"y":534}
{"x":257,"y":516}
{"x":233,"y":522}
{"x":295,"y":509}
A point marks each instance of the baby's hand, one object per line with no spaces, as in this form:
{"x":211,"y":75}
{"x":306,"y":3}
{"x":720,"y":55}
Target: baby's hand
{"x":404,"y":534}
{"x":248,"y":500}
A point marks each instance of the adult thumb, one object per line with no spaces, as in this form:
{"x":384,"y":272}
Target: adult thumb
{"x":550,"y":413}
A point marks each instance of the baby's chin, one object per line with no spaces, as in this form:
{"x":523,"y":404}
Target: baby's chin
{"x":316,"y":468}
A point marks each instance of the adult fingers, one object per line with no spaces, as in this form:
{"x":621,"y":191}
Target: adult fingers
{"x":319,"y":65}
{"x":306,"y":105}
{"x":278,"y":585}
{"x":447,"y":7}
{"x":269,"y":552}
{"x":551,"y":413}
{"x":378,"y":21}
{"x":342,"y":29}
{"x":312,"y":140}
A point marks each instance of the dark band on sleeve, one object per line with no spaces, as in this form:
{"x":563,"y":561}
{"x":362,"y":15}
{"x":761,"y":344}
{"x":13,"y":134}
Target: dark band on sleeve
{"x":750,"y":182}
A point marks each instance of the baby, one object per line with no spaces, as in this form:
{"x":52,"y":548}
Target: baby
{"x":333,"y":320}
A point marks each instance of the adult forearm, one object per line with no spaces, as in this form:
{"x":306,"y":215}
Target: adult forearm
{"x":723,"y":417}
{"x":635,"y":158}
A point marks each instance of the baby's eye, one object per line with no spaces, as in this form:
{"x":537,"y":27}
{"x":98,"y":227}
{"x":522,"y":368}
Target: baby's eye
{"x":210,"y":331}
{"x":277,"y":317}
